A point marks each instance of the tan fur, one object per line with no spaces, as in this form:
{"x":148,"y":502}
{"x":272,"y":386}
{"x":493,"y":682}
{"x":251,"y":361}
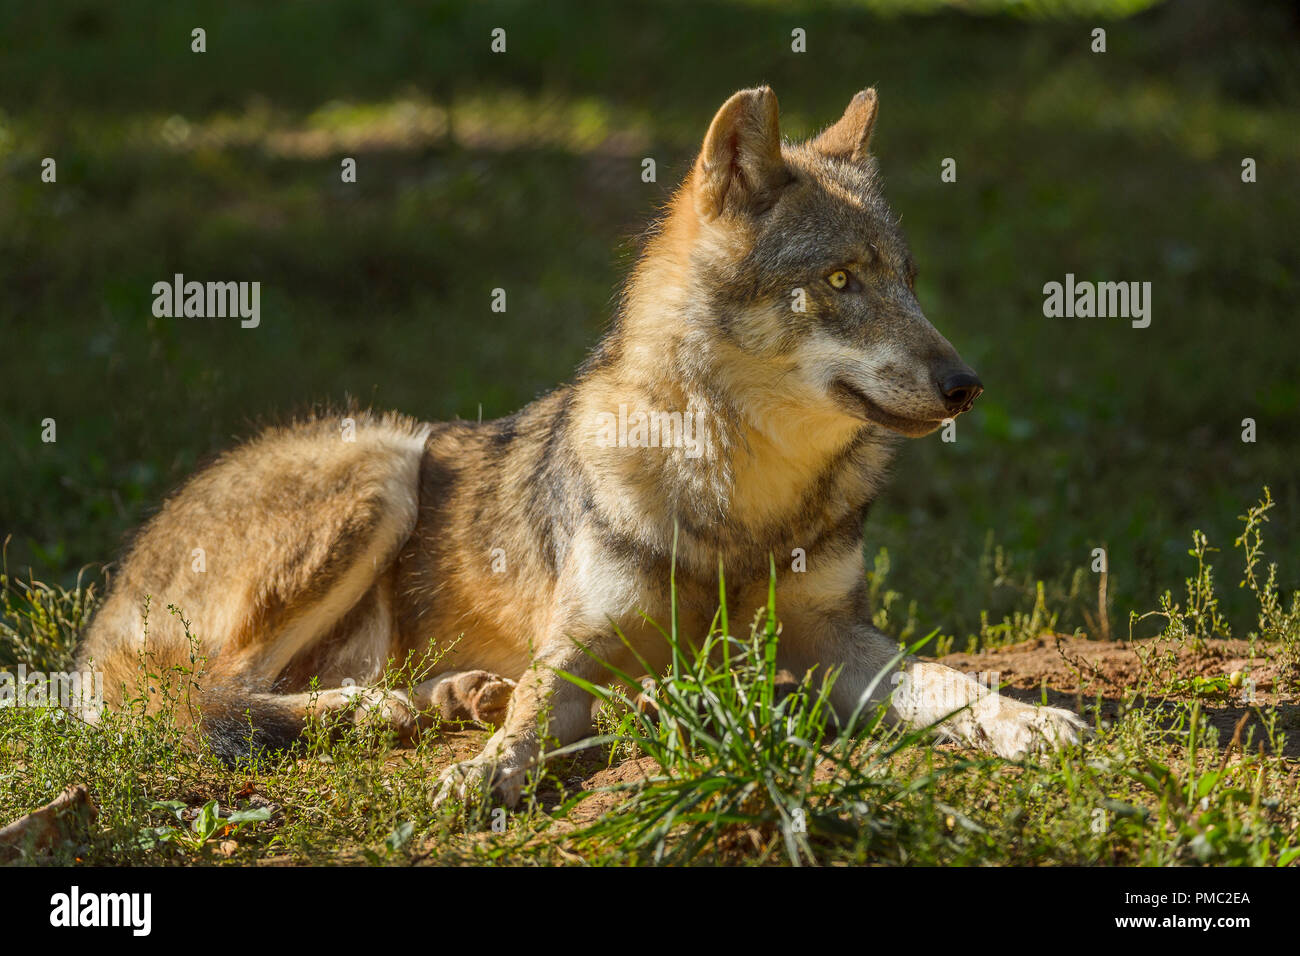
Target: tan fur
{"x":514,"y":546}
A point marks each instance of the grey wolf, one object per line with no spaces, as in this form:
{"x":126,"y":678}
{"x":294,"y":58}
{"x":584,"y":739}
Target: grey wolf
{"x":774,"y":305}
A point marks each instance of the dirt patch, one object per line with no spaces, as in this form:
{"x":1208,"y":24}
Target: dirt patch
{"x":621,"y":775}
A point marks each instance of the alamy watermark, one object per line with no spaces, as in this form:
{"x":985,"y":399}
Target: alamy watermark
{"x":209,"y":300}
{"x":651,"y":429}
{"x":72,"y":690}
{"x":1125,"y":300}
{"x":133,"y":911}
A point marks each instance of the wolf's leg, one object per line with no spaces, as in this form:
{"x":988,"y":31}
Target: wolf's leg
{"x":928,"y":692}
{"x":920,"y":693}
{"x":475,"y":695}
{"x":457,"y":695}
{"x":394,"y":707}
{"x":545,"y":706}
{"x":541,"y":694}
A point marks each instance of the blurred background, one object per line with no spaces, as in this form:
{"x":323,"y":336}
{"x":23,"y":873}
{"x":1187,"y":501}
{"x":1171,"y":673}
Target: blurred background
{"x":522,"y":170}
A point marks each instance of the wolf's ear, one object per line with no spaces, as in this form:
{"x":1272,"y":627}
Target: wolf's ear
{"x":849,"y":137}
{"x":740,"y":166}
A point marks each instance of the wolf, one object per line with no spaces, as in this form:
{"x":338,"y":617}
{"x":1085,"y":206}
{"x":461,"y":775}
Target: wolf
{"x":774,"y":309}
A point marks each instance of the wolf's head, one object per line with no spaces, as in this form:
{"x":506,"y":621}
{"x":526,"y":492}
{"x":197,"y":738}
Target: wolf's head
{"x":796,"y":265}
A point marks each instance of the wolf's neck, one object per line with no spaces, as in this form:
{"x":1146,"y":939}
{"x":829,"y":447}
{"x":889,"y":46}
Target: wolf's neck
{"x":767,"y":464}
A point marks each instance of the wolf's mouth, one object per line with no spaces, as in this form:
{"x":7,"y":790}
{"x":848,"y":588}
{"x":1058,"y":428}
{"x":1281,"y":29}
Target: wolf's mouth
{"x":859,"y":404}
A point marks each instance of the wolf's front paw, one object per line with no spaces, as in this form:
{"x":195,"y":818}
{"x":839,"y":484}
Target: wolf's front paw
{"x":481,"y":778}
{"x":1014,"y":730}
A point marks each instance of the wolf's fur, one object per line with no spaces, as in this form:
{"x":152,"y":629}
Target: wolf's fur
{"x":533,"y":536}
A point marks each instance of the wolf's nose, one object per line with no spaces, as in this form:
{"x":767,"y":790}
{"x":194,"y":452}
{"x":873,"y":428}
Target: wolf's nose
{"x":960,"y":389}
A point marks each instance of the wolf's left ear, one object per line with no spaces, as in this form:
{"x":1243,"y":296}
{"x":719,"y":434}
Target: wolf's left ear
{"x":740,"y":167}
{"x":849,"y":137}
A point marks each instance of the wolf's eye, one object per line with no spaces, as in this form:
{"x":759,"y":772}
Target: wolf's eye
{"x":839,"y":279}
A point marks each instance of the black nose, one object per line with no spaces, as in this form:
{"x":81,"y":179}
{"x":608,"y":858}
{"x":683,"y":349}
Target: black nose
{"x":960,"y":389}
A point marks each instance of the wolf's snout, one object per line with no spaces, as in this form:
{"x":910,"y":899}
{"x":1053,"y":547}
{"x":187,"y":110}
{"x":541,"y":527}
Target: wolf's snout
{"x":960,"y":389}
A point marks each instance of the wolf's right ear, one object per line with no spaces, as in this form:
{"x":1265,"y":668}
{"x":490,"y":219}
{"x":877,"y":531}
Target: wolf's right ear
{"x":740,"y":166}
{"x":851,"y":134}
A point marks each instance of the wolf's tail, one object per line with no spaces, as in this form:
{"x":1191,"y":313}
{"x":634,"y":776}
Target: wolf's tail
{"x":240,"y":725}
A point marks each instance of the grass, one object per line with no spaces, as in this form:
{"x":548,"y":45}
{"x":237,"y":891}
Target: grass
{"x":728,"y":766}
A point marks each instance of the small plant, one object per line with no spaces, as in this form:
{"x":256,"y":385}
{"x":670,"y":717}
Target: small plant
{"x":1189,"y":627}
{"x":207,"y":824}
{"x":1219,"y":687}
{"x":1275,"y":622}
